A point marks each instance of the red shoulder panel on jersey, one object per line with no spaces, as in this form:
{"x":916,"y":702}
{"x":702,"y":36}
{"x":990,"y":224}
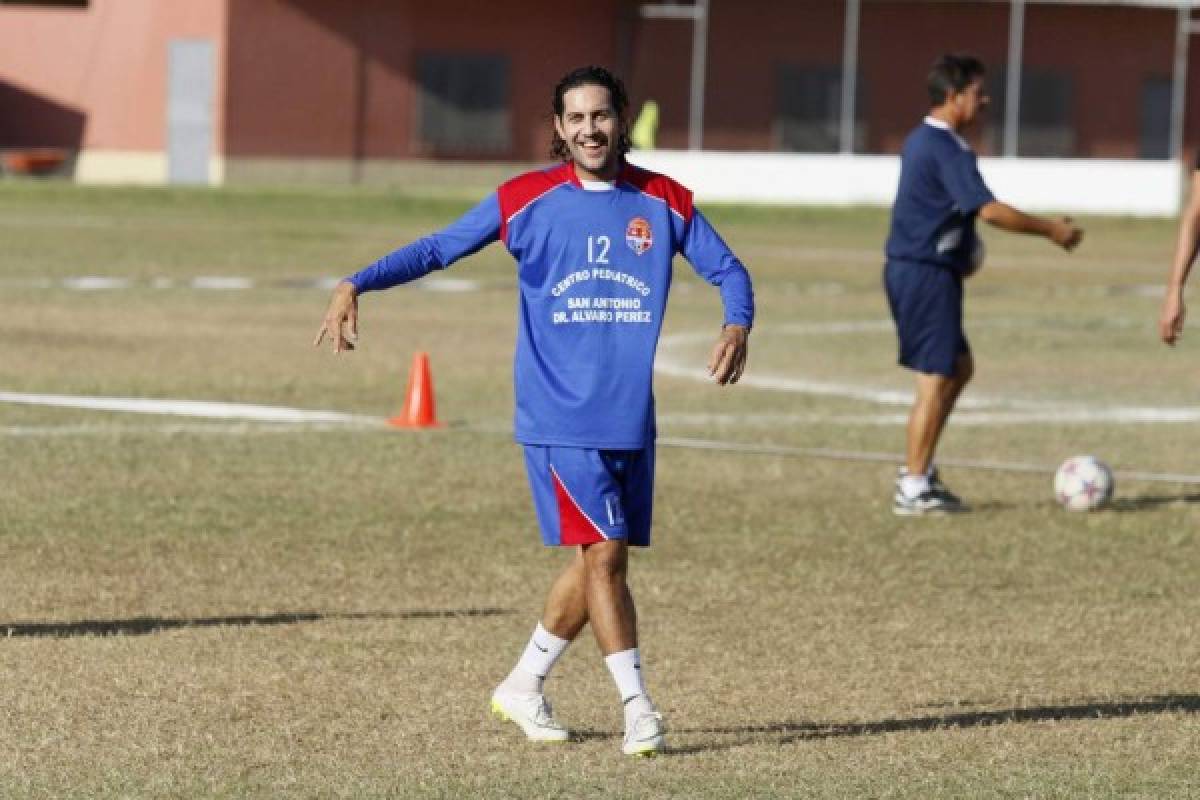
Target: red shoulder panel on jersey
{"x":517,"y":194}
{"x":677,"y":196}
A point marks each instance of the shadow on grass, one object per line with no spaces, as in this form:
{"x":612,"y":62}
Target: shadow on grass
{"x":1145,"y":502}
{"x":990,"y":506}
{"x":791,"y":732}
{"x":138,"y":626}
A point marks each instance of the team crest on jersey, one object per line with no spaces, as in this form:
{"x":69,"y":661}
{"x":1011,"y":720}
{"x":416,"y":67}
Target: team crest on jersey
{"x":638,"y":235}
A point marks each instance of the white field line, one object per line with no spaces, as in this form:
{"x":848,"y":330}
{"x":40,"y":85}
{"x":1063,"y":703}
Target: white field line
{"x":1056,"y":416}
{"x":253,"y":429}
{"x":188,"y":408}
{"x":199,"y":428}
{"x":973,"y":409}
{"x":222,"y":283}
{"x":897,"y":458}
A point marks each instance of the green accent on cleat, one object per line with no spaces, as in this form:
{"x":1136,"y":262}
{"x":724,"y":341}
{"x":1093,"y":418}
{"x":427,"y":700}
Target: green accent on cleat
{"x":531,"y":714}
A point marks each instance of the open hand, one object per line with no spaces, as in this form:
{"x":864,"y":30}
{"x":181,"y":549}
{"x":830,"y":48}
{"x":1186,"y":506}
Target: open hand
{"x":341,"y":319}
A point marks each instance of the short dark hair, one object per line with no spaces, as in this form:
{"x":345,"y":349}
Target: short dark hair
{"x":952,"y":72}
{"x":592,"y":76}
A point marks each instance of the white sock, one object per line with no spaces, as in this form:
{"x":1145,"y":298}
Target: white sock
{"x":626,"y":669}
{"x":932,"y":468}
{"x":543,"y":649}
{"x":913,"y":485}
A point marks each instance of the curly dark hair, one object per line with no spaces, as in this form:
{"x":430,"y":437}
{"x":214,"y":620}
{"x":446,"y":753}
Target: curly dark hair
{"x":592,"y":76}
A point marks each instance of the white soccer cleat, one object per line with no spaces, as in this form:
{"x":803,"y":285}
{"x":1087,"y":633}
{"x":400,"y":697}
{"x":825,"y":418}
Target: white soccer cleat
{"x":532,"y":714}
{"x":645,"y":735}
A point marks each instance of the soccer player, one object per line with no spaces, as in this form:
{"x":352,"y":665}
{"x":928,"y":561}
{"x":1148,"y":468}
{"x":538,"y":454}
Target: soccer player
{"x":931,"y":248}
{"x":1170,"y":320}
{"x":593,"y":238}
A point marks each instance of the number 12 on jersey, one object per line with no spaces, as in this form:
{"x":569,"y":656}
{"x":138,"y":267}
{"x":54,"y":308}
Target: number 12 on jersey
{"x":598,"y":249}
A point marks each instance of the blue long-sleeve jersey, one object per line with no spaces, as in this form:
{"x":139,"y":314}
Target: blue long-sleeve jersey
{"x":594,"y":269}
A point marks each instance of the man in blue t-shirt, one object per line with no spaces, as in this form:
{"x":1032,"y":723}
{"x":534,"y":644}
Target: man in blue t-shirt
{"x":593,"y":238}
{"x":932,"y":246}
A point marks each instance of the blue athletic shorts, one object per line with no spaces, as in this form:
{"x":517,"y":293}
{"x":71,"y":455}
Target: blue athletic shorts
{"x":927,"y":305}
{"x":584,"y":496}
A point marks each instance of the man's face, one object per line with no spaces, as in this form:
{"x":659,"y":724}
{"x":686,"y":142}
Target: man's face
{"x":590,"y":126}
{"x":970,"y":102}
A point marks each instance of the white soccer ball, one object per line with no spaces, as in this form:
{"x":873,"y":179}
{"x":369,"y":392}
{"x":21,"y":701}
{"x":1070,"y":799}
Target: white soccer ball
{"x":978,"y":254}
{"x":1083,"y":483}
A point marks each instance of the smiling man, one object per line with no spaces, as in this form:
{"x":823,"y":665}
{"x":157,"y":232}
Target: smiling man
{"x":931,"y":247}
{"x":593,"y":238}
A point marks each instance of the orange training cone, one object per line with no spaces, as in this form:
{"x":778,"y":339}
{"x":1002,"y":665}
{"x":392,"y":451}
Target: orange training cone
{"x":418,"y":411}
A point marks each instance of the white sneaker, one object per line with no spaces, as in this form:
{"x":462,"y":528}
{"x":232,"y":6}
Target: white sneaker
{"x":645,"y":735}
{"x":531,"y":712}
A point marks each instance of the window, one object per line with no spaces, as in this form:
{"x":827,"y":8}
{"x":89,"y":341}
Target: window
{"x":808,"y":109}
{"x":464,"y":104}
{"x":1044,"y":127}
{"x":1155,"y":138}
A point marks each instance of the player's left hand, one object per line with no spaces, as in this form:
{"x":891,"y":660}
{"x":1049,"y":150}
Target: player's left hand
{"x":341,"y":317}
{"x":728,"y":359}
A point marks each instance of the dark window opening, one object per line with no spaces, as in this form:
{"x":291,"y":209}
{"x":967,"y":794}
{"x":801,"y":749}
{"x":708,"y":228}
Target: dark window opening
{"x":808,"y":109}
{"x":464,"y":104}
{"x":1154,"y":140}
{"x":1044,"y":126}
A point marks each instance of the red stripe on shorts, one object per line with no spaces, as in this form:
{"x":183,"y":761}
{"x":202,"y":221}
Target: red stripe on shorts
{"x":574,"y":527}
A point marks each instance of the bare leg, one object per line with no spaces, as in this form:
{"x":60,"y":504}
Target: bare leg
{"x":964,"y":370}
{"x":936,"y":396}
{"x":610,"y":606}
{"x":519,"y":697}
{"x":566,"y":610}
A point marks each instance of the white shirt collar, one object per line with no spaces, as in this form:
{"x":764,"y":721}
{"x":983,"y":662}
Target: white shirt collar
{"x":942,"y":125}
{"x":597,"y":186}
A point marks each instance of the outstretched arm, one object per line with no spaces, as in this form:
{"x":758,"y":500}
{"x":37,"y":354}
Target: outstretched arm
{"x":1060,"y":230}
{"x":1170,"y":320}
{"x":474,"y":230}
{"x":962,"y":179}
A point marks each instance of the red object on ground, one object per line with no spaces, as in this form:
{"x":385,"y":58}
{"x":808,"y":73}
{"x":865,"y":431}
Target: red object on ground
{"x":419,"y":410}
{"x":32,"y":162}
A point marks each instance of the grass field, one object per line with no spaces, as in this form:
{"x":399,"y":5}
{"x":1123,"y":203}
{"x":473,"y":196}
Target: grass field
{"x":207,"y":608}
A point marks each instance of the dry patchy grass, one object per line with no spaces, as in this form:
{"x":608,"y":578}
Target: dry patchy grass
{"x":211,"y":611}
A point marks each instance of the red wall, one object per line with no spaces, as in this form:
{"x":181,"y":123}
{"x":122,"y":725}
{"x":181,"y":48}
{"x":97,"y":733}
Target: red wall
{"x":898,"y":42}
{"x":746,"y":41}
{"x":96,"y":77}
{"x":321,"y":78}
{"x":1108,"y":52}
{"x":318,"y":79}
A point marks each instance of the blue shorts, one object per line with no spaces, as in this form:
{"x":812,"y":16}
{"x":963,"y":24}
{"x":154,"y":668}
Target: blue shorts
{"x":927,"y":305}
{"x":584,"y":496}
